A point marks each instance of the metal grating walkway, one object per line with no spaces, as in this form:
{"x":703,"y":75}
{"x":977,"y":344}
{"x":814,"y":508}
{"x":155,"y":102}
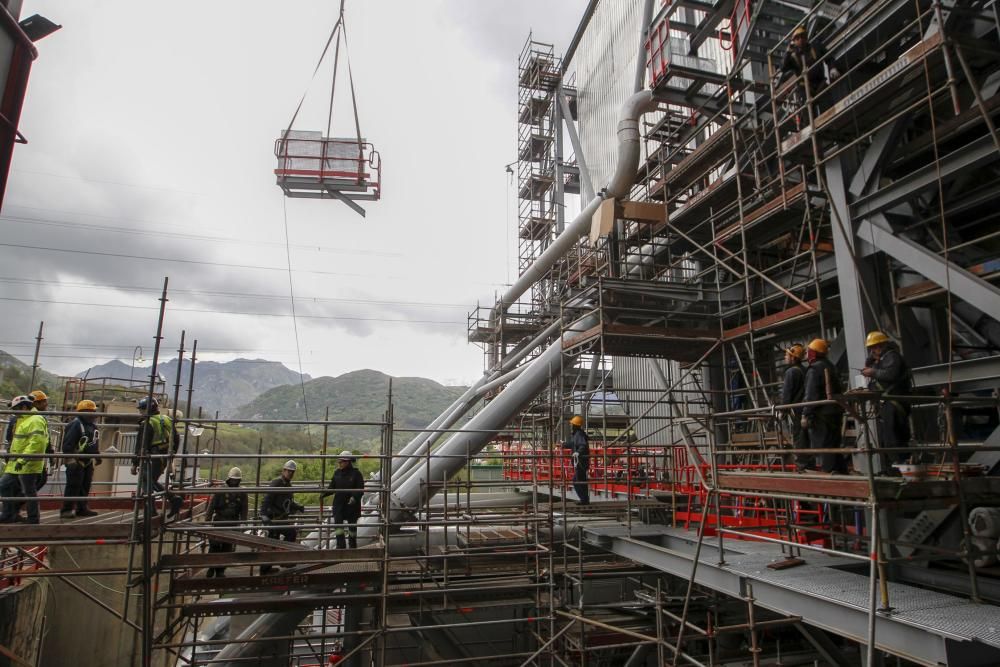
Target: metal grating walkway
{"x":927,"y":627}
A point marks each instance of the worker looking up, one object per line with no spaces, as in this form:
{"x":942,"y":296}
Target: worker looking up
{"x":26,"y":461}
{"x":804,"y":55}
{"x":278,"y":506}
{"x":348,"y":486}
{"x":226,"y":509}
{"x":159,"y":439}
{"x":793,"y":391}
{"x":10,"y":483}
{"x":888,"y":373}
{"x":80,"y":437}
{"x":579,"y":444}
{"x":822,"y":422}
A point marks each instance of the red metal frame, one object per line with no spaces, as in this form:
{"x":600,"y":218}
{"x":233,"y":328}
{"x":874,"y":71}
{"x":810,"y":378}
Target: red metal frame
{"x":14,"y":88}
{"x":368,"y":162}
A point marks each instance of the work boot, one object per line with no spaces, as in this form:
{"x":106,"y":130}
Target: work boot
{"x":266,"y":570}
{"x":86,"y":512}
{"x":176,"y":502}
{"x":66,"y":514}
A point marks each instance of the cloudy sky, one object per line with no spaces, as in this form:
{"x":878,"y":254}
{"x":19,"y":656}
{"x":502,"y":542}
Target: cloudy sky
{"x":150,"y":155}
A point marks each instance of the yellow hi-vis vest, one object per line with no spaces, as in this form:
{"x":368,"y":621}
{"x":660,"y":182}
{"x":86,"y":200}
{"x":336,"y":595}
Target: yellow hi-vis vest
{"x":31,"y":436}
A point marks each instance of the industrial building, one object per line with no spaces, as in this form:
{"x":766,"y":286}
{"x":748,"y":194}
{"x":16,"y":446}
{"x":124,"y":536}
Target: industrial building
{"x":726,"y":210}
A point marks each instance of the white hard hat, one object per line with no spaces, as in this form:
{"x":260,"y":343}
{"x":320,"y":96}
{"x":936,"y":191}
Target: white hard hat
{"x":346,"y":455}
{"x":289,"y":465}
{"x":235,"y":473}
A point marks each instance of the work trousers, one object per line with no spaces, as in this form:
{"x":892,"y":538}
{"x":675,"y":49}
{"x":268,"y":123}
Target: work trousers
{"x":157,"y":465}
{"x":10,"y":487}
{"x":215,"y":547}
{"x":792,"y":426}
{"x":893,"y":430}
{"x":346,"y":517}
{"x":825,"y":434}
{"x":78,"y":480}
{"x":286,"y":533}
{"x":580,"y":483}
{"x":29,"y":489}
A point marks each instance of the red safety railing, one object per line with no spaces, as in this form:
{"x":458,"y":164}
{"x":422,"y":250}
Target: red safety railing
{"x":657,"y":50}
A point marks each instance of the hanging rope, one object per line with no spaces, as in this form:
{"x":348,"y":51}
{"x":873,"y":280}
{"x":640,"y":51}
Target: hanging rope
{"x":337,"y":34}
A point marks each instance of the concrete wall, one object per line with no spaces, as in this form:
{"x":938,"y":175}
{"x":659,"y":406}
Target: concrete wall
{"x":78,"y":631}
{"x":21,"y":619}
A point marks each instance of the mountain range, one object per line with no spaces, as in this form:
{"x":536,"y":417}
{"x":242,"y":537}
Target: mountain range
{"x":218,"y":386}
{"x":357,"y":396}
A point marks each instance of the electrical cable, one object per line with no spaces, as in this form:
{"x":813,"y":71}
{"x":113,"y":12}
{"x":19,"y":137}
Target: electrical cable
{"x":228,"y":312}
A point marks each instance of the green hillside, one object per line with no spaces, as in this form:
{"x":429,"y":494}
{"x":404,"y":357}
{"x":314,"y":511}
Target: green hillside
{"x":357,"y":396}
{"x":15,"y":375}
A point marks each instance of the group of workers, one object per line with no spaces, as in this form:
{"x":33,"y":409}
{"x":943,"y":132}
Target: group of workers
{"x":30,"y":455}
{"x":230,"y":508}
{"x":815,"y":419}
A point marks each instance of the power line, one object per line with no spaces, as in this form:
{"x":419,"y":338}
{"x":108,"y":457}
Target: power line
{"x":185,"y":261}
{"x":134,"y":288}
{"x":229,"y":312}
{"x":48,"y":222}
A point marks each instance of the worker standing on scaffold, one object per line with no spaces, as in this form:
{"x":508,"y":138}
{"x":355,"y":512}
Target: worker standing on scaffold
{"x":347,"y":486}
{"x":157,"y":437}
{"x":792,"y":391}
{"x":579,"y":444}
{"x":823,"y":422}
{"x":804,"y":55}
{"x":888,"y":372}
{"x":226,"y":509}
{"x":277,"y":507}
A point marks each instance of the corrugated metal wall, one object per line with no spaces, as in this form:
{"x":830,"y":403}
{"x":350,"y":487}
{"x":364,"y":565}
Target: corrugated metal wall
{"x":604,"y":65}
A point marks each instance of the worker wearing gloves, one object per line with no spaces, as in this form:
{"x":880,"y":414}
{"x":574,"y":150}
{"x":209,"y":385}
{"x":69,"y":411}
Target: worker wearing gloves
{"x":157,"y":437}
{"x":347,"y":486}
{"x":30,"y":438}
{"x":822,"y":422}
{"x":10,"y":482}
{"x":80,"y":437}
{"x":226,"y":509}
{"x":888,"y":373}
{"x":579,"y":444}
{"x":278,"y":506}
{"x":793,"y":391}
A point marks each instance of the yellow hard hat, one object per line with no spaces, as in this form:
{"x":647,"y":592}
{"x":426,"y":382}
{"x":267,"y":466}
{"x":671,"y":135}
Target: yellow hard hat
{"x":819,"y":346}
{"x":86,"y":405}
{"x":796,"y":351}
{"x":876,"y":338}
{"x":801,"y":30}
{"x":577,"y":420}
{"x":38,"y":395}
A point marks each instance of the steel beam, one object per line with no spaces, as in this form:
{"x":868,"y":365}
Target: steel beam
{"x":962,"y":283}
{"x":978,"y":371}
{"x":574,"y":139}
{"x":848,"y":278}
{"x":977,"y":153}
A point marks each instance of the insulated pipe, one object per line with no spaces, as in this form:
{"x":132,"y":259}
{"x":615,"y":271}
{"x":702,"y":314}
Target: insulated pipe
{"x":410,"y":455}
{"x":629,"y":142}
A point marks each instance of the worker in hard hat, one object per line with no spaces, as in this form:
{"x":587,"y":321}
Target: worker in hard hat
{"x":579,"y":444}
{"x":26,"y":460}
{"x":793,"y":386}
{"x":888,"y":373}
{"x":40,"y":401}
{"x":226,"y":509}
{"x":822,"y":423}
{"x":347,"y":487}
{"x":80,"y":437}
{"x":159,"y":439}
{"x":10,"y":482}
{"x":805,"y":55}
{"x":278,"y":506}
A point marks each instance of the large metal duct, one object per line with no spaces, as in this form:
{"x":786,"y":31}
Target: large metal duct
{"x":411,"y":489}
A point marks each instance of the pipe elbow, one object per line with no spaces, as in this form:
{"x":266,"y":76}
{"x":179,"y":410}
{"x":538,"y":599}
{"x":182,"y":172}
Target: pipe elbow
{"x":629,"y":143}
